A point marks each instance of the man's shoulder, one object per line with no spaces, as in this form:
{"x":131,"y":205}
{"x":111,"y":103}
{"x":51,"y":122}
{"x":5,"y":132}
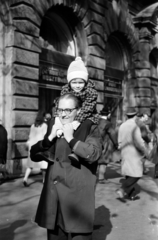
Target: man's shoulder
{"x":128,"y":123}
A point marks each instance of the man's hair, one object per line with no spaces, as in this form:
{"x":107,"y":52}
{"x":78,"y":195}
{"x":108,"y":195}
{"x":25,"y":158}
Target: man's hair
{"x":77,"y":100}
{"x":140,"y":115}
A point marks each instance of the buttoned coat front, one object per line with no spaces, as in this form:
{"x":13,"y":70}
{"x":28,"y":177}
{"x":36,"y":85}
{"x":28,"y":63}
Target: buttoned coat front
{"x":68,"y":198}
{"x":132,"y":149}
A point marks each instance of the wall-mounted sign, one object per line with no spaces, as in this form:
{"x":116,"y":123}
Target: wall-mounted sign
{"x":113,"y":86}
{"x":52,"y":75}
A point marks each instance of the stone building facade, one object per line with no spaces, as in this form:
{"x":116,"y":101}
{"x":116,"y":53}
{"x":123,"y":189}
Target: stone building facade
{"x":117,"y":39}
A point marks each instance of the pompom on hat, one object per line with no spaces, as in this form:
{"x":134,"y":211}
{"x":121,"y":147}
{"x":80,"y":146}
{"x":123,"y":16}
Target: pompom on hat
{"x":77,"y":69}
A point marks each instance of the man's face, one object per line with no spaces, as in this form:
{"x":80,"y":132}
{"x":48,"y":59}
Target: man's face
{"x":67,"y":104}
{"x":144,"y":118}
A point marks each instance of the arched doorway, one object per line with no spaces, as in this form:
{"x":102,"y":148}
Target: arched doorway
{"x":118,"y":60}
{"x":58,"y":34}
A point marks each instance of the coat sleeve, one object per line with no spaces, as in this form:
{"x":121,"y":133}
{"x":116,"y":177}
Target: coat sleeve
{"x":44,"y":144}
{"x":139,"y":142}
{"x":91,"y":149}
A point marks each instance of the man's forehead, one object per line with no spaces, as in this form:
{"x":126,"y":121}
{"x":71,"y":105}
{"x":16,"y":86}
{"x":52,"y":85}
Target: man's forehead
{"x":67,"y":103}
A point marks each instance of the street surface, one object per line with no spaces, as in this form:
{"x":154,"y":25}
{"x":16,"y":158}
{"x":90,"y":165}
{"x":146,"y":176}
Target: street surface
{"x":114,"y":220}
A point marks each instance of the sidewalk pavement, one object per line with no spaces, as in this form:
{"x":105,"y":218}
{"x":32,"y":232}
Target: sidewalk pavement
{"x":114,"y":220}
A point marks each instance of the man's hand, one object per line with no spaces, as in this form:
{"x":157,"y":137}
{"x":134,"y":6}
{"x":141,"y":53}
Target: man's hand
{"x":68,"y":132}
{"x":53,"y":133}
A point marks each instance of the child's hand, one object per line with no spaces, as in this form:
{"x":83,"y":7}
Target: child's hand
{"x":59,"y":133}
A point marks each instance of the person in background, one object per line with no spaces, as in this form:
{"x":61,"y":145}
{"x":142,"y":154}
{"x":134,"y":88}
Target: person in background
{"x":37,"y":133}
{"x":47,"y":117}
{"x":67,"y":202}
{"x":154,"y":129}
{"x":109,"y":143}
{"x":133,"y":151}
{"x":79,"y":85}
{"x":3,"y":151}
{"x":116,"y":153}
{"x":141,"y":121}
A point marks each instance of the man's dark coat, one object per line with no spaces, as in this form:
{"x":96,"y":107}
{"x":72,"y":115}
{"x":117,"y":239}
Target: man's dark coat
{"x":68,"y":198}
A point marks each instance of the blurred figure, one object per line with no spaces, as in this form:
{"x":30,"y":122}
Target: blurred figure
{"x":37,"y":133}
{"x":116,"y":153}
{"x":133,"y":151}
{"x":141,"y":121}
{"x":47,"y":117}
{"x":3,"y":150}
{"x":109,"y":142}
{"x":154,"y":130}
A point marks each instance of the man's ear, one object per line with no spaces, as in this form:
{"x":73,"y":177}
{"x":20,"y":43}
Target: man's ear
{"x":78,"y":111}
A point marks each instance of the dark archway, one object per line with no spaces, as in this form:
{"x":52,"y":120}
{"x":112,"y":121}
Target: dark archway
{"x":118,"y":66}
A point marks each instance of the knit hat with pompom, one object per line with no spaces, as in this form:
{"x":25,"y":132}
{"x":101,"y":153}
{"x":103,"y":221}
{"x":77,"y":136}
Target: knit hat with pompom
{"x":77,"y":69}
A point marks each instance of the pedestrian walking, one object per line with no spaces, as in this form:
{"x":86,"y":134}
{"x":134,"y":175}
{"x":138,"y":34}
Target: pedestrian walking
{"x":109,"y":142}
{"x":141,"y":121}
{"x":37,"y":132}
{"x":133,"y":150}
{"x":154,"y":152}
{"x":67,"y":202}
{"x":3,"y":151}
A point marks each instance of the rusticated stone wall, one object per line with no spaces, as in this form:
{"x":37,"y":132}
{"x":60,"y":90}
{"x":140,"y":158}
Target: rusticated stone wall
{"x":19,"y":70}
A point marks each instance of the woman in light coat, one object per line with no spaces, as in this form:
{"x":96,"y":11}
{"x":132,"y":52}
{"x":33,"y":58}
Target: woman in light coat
{"x":37,"y":132}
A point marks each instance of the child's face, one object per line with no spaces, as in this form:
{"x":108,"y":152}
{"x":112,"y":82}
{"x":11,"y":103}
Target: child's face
{"x":77,"y":84}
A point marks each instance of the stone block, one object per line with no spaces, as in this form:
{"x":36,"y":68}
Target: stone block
{"x":143,"y":92}
{"x":96,"y":17}
{"x":25,"y":87}
{"x":102,"y":3}
{"x":96,"y":62}
{"x":94,"y":28}
{"x":95,"y":39}
{"x":27,"y":42}
{"x":25,"y":103}
{"x":23,"y":118}
{"x":25,"y":57}
{"x":22,"y":71}
{"x":142,"y":73}
{"x":96,"y":74}
{"x":97,"y":8}
{"x":26,"y":26}
{"x":142,"y":65}
{"x":143,"y":82}
{"x":97,"y":51}
{"x":19,"y":150}
{"x":99,"y":85}
{"x":24,"y":11}
{"x":143,"y":101}
{"x":19,"y":134}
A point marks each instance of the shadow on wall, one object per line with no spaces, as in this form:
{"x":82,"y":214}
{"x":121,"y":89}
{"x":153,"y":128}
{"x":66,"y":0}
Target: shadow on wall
{"x":102,"y":223}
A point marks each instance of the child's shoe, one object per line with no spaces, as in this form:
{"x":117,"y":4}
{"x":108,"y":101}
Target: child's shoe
{"x":73,"y":157}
